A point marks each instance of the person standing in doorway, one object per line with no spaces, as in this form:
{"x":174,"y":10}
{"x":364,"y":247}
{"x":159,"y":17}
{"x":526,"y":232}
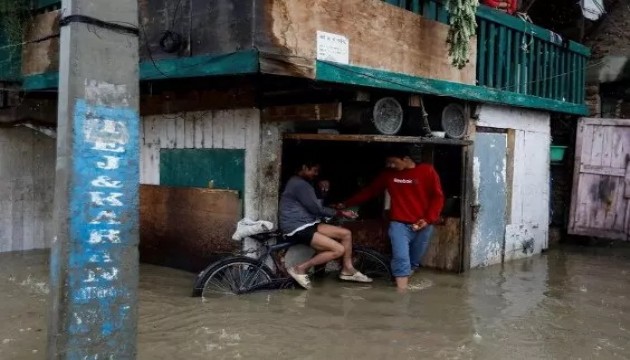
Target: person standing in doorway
{"x":416,"y":203}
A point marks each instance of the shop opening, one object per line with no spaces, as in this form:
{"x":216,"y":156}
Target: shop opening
{"x":351,"y":162}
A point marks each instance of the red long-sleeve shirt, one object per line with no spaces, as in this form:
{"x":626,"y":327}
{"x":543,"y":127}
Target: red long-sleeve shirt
{"x":415,"y":193}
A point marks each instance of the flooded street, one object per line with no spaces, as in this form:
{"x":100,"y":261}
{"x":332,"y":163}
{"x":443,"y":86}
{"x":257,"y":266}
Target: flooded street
{"x":569,"y":304}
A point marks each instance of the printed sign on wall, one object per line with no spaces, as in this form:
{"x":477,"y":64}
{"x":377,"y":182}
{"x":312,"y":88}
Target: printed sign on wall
{"x":333,"y":47}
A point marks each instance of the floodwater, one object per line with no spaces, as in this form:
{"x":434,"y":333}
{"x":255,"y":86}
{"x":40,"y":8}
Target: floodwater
{"x":571,"y":303}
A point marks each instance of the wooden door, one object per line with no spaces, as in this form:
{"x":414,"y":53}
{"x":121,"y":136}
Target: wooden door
{"x":490,"y":219}
{"x":601,"y":182}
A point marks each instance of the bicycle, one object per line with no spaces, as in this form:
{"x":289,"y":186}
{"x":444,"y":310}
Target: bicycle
{"x":242,"y":274}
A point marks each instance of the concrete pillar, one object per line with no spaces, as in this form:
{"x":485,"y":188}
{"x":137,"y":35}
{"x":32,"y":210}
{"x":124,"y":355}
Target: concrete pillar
{"x":94,"y":260}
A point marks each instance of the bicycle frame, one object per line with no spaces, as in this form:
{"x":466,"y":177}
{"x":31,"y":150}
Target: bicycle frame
{"x":269,"y":250}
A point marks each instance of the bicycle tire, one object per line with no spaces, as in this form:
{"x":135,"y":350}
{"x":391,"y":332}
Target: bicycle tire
{"x":380,"y":264}
{"x":233,"y":282}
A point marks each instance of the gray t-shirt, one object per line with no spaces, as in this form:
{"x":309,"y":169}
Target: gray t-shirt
{"x":300,"y":207}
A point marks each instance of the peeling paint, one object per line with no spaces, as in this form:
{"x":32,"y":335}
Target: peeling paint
{"x":489,"y":175}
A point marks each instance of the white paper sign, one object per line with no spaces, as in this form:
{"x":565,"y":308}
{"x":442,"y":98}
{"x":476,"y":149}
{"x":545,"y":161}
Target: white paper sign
{"x":333,"y":47}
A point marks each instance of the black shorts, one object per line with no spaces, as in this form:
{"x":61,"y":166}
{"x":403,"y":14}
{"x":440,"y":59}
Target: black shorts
{"x":304,"y":236}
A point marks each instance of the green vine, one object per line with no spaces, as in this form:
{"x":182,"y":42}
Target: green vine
{"x":14,"y":17}
{"x":463,"y":26}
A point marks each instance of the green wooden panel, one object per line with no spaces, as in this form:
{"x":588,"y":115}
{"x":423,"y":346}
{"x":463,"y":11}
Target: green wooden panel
{"x":43,"y":81}
{"x":539,"y":66}
{"x":582,"y":79}
{"x":574,"y":77}
{"x":563,"y":79}
{"x":197,"y":167}
{"x":242,"y":62}
{"x":10,"y":59}
{"x":518,"y":76}
{"x":509,"y":68}
{"x":501,"y":58}
{"x":354,"y":75}
{"x":442,"y":14}
{"x":531,"y":65}
{"x":482,"y":42}
{"x":544,"y":80}
{"x":559,"y":76}
{"x":552,"y":73}
{"x":415,"y":6}
{"x":432,"y":10}
{"x":392,"y":2}
{"x":38,"y":4}
{"x":523,"y":64}
{"x":556,"y":72}
{"x":492,"y":54}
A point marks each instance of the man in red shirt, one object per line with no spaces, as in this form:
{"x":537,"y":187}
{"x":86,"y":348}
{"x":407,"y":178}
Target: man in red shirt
{"x":416,"y":204}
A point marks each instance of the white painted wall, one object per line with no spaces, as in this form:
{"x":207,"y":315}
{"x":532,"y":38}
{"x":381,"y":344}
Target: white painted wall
{"x":220,"y":129}
{"x":27,"y":182}
{"x":529,"y":218}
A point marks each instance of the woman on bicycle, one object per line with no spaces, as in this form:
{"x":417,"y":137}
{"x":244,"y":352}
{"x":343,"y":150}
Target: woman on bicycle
{"x":300,"y":220}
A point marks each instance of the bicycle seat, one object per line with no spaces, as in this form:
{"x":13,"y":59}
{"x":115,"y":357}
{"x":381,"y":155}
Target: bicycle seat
{"x":266,"y":236}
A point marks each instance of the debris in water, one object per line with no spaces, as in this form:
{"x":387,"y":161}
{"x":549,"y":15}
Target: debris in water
{"x":421,"y":285}
{"x":477,"y":338}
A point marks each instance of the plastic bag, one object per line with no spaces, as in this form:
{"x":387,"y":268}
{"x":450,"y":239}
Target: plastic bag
{"x":248,"y":227}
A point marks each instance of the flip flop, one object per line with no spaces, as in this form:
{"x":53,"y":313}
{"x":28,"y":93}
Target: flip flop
{"x":301,"y":279}
{"x":356,"y":277}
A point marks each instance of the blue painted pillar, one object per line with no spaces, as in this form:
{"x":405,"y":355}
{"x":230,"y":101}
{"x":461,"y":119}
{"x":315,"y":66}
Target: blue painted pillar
{"x":94,"y":259}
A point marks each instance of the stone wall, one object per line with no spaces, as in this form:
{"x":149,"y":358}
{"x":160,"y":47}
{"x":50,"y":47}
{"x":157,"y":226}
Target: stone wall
{"x":609,"y":41}
{"x":612,"y":36}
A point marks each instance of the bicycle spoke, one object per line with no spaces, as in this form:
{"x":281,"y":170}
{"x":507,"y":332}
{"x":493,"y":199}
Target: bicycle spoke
{"x":235,"y":278}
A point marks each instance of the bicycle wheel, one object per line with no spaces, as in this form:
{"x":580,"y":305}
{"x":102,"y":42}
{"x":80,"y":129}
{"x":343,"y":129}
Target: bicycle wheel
{"x":371,"y":263}
{"x":234,"y":276}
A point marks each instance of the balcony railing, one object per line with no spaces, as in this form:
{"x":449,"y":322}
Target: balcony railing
{"x":519,"y":57}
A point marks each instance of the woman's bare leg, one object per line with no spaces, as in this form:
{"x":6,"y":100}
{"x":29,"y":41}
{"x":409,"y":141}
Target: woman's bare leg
{"x":327,"y":250}
{"x":344,"y":236}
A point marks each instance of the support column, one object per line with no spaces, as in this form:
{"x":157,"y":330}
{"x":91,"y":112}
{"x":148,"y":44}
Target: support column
{"x":94,"y":260}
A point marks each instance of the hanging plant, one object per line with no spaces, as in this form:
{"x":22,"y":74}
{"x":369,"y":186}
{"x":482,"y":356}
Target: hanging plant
{"x":14,"y":16}
{"x":463,"y":26}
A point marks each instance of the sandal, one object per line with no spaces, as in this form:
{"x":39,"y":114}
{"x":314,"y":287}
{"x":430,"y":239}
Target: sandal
{"x":301,"y":279}
{"x":356,"y":277}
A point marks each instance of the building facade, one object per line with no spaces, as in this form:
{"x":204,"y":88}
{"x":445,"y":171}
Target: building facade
{"x":233,"y":93}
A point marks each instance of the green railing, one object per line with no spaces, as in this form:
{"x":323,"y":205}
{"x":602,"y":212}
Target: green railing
{"x":430,"y":9}
{"x":519,"y":57}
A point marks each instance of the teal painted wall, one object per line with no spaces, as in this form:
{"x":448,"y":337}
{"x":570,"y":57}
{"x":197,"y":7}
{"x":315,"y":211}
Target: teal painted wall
{"x":197,"y":167}
{"x":10,"y":60}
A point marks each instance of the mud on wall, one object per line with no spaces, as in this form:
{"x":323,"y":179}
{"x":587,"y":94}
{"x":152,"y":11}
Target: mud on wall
{"x":27,"y":181}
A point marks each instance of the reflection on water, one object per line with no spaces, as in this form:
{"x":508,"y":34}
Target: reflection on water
{"x":568,"y":304}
